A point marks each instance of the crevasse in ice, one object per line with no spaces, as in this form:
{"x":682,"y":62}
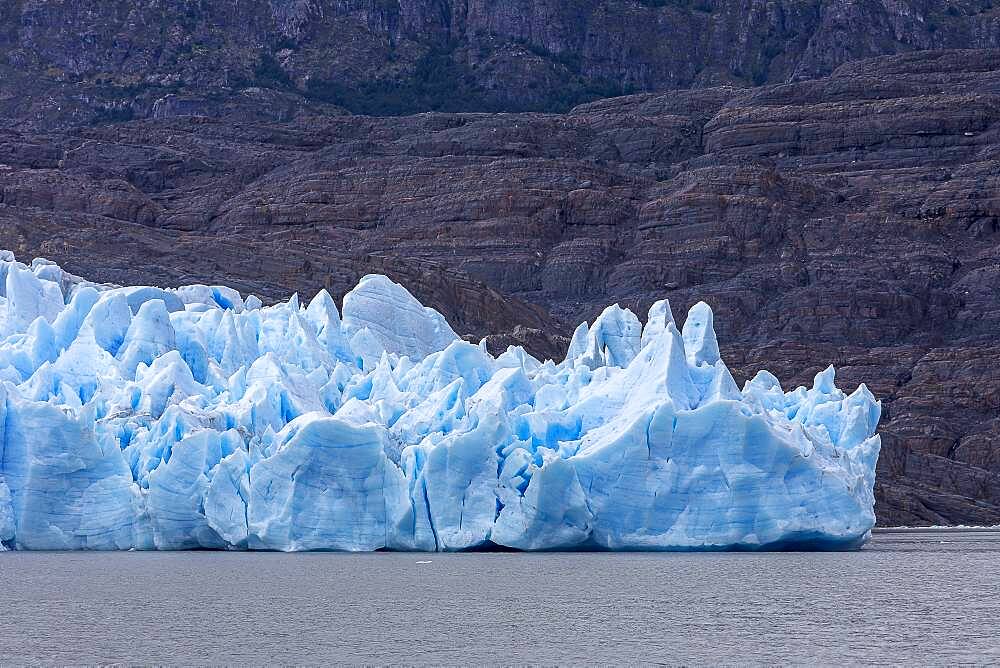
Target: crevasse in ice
{"x":191,"y":418}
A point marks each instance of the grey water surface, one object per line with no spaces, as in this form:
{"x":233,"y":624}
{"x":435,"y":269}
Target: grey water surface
{"x":912,"y":597}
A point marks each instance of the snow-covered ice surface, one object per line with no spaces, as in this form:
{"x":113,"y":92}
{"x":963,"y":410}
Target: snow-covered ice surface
{"x":194,"y":418}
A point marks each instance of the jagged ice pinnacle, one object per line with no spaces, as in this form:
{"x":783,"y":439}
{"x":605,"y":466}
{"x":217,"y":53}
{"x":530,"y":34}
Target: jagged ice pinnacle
{"x":191,"y":418}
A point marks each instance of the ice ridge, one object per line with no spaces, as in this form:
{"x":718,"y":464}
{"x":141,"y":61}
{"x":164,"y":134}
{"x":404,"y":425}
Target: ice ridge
{"x":147,"y":418}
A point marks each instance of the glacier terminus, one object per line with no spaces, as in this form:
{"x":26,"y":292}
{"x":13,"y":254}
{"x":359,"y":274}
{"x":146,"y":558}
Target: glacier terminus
{"x":194,"y":418}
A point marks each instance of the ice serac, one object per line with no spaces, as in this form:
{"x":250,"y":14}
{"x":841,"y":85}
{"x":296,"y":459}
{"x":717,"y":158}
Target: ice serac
{"x":328,"y":486}
{"x":396,"y":321}
{"x":193,"y":418}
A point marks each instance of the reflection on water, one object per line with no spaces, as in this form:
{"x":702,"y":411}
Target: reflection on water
{"x":909,"y":597}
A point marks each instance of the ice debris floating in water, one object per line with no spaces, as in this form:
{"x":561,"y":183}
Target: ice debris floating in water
{"x":191,"y":418}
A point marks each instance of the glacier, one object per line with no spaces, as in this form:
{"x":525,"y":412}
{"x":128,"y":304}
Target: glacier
{"x":194,"y":418}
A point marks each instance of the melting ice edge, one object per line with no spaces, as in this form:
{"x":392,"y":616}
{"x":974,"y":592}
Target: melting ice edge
{"x":138,"y":417}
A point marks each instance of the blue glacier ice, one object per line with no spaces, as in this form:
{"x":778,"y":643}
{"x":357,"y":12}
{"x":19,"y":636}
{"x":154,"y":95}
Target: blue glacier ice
{"x":147,"y":418}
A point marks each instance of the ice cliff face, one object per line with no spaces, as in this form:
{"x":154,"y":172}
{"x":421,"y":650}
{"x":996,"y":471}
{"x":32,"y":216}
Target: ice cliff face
{"x":192,"y":418}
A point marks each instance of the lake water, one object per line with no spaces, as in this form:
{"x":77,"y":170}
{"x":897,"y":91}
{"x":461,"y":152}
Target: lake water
{"x":926,"y":597}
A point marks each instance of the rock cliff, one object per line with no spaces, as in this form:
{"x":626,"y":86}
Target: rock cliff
{"x":114,"y":60}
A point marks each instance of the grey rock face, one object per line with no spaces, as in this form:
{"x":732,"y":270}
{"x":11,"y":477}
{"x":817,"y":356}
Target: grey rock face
{"x":72,"y":62}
